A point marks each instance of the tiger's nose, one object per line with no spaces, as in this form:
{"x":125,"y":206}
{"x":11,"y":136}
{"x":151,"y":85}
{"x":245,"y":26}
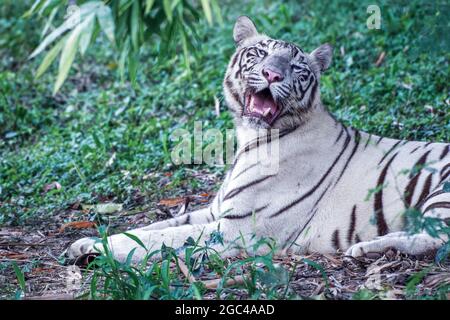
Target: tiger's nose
{"x":272,"y":76}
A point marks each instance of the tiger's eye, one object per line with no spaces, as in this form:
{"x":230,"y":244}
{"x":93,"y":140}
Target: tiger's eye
{"x":296,"y":68}
{"x":262,"y":53}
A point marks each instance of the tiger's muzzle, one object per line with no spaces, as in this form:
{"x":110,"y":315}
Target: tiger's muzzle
{"x":265,"y":104}
{"x":262,"y":105}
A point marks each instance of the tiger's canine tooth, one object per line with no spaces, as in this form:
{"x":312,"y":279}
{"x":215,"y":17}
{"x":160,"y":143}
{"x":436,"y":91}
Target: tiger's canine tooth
{"x":252,"y":104}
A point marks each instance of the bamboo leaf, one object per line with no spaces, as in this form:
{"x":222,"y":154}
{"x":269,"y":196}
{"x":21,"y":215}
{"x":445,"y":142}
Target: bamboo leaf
{"x":86,"y":36}
{"x":148,"y":5}
{"x":168,"y":39}
{"x":175,"y":4}
{"x":67,"y":56}
{"x":106,"y":21}
{"x":48,"y":59}
{"x":35,"y":6}
{"x":122,"y":25}
{"x":133,"y":64}
{"x":122,"y":59}
{"x":207,"y":11}
{"x":124,"y":5}
{"x":49,"y":4}
{"x":85,"y":9}
{"x":50,"y":38}
{"x":168,"y":10}
{"x":135,"y":22}
{"x":184,"y":41}
{"x":49,"y":22}
{"x":217,"y":11}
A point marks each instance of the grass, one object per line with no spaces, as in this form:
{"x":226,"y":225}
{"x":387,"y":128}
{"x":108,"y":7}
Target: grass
{"x":262,"y":277}
{"x":69,"y":138}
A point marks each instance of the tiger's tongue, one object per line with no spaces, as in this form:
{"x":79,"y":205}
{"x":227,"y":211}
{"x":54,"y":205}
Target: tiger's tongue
{"x":263,"y":105}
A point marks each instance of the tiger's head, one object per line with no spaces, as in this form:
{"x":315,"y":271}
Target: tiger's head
{"x":272,"y":83}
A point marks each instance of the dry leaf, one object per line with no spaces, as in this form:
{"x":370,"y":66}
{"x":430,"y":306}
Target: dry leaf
{"x":42,"y":270}
{"x":76,"y":206}
{"x":9,"y":232}
{"x":110,"y":162}
{"x":51,"y":186}
{"x":108,"y":208}
{"x":172,"y":202}
{"x":407,"y":86}
{"x":148,"y":176}
{"x":380,"y":59}
{"x":429,"y":108}
{"x":14,"y":255}
{"x":78,"y":225}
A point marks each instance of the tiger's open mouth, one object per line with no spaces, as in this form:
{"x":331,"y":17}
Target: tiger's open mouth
{"x":261,"y":105}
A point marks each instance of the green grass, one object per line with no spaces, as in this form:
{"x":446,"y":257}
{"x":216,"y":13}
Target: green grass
{"x":70,"y":137}
{"x":263,"y":279}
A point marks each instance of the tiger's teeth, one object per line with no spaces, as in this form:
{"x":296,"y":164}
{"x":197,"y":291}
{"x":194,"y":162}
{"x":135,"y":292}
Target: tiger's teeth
{"x":252,"y":105}
{"x":266,"y":112}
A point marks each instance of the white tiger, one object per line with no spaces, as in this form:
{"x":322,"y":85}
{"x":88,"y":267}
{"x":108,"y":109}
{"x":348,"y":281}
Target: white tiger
{"x":317,"y":200}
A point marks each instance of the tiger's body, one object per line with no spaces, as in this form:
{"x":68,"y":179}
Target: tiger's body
{"x":336,"y":188}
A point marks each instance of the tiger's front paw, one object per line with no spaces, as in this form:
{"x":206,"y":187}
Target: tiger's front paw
{"x":83,"y":247}
{"x":359,"y":249}
{"x":372,"y":248}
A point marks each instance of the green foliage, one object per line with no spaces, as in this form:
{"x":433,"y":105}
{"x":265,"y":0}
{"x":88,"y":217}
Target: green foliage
{"x":163,"y":279}
{"x":20,"y":279}
{"x":365,"y":294}
{"x":124,"y":280}
{"x":128,"y":25}
{"x":71,"y":136}
{"x":18,"y":36}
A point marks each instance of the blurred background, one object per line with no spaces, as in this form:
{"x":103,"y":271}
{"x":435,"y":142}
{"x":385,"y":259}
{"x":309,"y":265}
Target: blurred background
{"x":86,"y":113}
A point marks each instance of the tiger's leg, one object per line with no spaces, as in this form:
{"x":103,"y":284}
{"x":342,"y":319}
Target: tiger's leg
{"x":201,"y":216}
{"x":175,"y":237}
{"x":415,"y":244}
{"x":436,"y":205}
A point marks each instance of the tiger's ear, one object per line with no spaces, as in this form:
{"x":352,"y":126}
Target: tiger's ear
{"x":322,"y":56}
{"x":244,"y":28}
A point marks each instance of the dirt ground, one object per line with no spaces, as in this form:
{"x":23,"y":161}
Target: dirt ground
{"x":37,"y":248}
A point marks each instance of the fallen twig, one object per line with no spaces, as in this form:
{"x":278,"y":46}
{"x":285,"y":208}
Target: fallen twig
{"x":380,"y":59}
{"x":332,"y":259}
{"x":213,"y":284}
{"x":63,"y":296}
{"x":209,"y":284}
{"x":184,"y":269}
{"x":22,"y":244}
